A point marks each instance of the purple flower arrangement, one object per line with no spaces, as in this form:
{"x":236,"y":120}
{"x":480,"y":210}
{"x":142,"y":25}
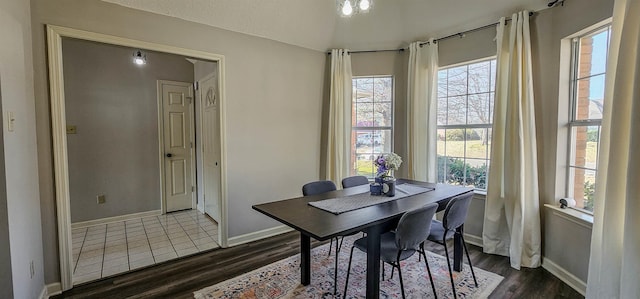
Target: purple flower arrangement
{"x":386,"y":163}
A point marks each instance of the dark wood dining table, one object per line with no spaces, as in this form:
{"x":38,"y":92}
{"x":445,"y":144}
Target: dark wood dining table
{"x":321,"y":225}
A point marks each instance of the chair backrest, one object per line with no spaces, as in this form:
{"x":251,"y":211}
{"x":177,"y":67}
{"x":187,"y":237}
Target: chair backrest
{"x":414,"y":226}
{"x":456,"y":211}
{"x":355,"y":180}
{"x":318,"y":187}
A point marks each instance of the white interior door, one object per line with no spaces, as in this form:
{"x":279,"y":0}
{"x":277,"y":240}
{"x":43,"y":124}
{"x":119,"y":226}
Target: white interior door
{"x":210,"y":145}
{"x":177,"y":124}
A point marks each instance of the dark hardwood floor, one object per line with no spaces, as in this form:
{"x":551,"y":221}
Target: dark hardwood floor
{"x":179,"y":278}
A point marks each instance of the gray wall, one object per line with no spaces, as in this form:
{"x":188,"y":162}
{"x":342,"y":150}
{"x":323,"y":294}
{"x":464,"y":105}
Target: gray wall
{"x":113,"y":104}
{"x":273,"y":107}
{"x":6,"y":283}
{"x":20,"y":169}
{"x":566,"y":243}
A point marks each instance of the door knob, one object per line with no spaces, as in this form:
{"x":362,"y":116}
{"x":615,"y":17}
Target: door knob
{"x":169,"y":155}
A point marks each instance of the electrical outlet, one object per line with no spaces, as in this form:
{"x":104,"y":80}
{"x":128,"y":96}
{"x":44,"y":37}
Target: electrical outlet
{"x":32,"y":270}
{"x":71,"y":129}
{"x":102,"y":199}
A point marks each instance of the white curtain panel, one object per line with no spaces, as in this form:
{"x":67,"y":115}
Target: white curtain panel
{"x":512,"y":212}
{"x":614,"y":265}
{"x":422,"y":111}
{"x":339,"y":135}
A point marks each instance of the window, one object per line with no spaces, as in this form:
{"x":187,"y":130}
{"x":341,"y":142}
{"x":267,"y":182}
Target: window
{"x":588,"y":72}
{"x":465,"y":115}
{"x":372,"y":122}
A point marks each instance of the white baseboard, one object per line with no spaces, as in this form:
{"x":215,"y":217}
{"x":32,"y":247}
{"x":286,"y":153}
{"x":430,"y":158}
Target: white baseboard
{"x":564,"y":275}
{"x":473,"y":240}
{"x":115,"y":219}
{"x":254,"y":236}
{"x":43,"y":293}
{"x":51,"y":289}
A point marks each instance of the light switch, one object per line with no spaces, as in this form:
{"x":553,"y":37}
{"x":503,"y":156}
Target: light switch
{"x":71,"y":129}
{"x":11,"y":120}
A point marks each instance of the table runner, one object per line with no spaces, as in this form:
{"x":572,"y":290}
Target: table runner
{"x":340,"y":205}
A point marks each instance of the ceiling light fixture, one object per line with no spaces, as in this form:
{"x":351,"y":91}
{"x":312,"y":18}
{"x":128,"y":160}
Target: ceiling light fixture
{"x":347,"y":8}
{"x":139,"y":58}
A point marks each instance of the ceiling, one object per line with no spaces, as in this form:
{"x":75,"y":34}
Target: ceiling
{"x":315,"y":24}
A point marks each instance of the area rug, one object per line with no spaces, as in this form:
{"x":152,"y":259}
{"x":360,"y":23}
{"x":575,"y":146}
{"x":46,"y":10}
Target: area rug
{"x":281,"y":279}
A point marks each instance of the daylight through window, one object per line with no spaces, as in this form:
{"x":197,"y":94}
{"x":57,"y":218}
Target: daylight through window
{"x":465,"y":115}
{"x":372,"y":122}
{"x":589,"y":64}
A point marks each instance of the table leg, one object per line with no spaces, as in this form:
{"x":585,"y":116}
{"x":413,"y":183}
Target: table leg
{"x":305,"y":259}
{"x":373,"y":261}
{"x":458,"y":249}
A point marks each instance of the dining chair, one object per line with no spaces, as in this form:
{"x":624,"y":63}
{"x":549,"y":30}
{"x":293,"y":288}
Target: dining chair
{"x":401,"y":244}
{"x":454,"y":216}
{"x":319,"y":187}
{"x":353,"y":181}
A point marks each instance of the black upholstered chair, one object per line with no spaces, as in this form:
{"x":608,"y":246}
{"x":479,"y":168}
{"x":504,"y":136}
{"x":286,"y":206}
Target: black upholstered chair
{"x":454,"y":216}
{"x":356,"y":180}
{"x":319,"y":187}
{"x":399,"y":245}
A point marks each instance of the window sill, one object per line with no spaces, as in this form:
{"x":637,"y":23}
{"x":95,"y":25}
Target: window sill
{"x":575,"y":216}
{"x":482,"y":193}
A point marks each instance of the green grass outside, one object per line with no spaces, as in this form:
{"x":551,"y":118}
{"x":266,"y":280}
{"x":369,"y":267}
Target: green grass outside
{"x":475,"y":149}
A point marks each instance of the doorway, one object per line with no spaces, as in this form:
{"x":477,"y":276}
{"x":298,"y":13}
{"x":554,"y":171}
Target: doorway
{"x":59,"y":131}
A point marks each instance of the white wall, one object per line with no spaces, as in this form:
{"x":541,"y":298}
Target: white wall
{"x":113,"y":104}
{"x":273,"y":107}
{"x":21,"y":163}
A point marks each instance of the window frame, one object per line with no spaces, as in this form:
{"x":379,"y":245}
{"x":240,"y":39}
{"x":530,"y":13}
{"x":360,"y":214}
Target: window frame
{"x":372,"y":129}
{"x":573,"y":122}
{"x":465,"y":127}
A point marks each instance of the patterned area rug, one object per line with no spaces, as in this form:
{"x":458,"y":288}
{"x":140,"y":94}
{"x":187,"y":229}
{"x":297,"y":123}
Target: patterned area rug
{"x":282,"y":279}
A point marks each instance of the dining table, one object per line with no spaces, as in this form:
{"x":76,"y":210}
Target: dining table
{"x":313,"y":222}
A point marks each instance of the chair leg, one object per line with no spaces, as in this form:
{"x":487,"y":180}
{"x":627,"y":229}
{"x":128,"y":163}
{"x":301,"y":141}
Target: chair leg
{"x":346,"y":283}
{"x":330,"y":246}
{"x":446,"y":251}
{"x":400,"y":275}
{"x":341,"y":240}
{"x":464,"y":243}
{"x":335,"y":271}
{"x":433,"y":286}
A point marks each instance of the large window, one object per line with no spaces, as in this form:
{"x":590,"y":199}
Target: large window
{"x":589,"y":64}
{"x":372,"y":122}
{"x":465,"y":115}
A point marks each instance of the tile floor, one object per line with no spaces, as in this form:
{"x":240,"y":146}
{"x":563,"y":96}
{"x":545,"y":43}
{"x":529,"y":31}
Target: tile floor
{"x":108,"y":249}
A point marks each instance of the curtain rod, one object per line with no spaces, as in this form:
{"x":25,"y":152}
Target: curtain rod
{"x":461,"y":34}
{"x":373,"y":51}
{"x":552,"y":4}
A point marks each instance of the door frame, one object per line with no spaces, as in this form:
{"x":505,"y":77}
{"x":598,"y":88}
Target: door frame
{"x":59,"y":135}
{"x":162,"y":160}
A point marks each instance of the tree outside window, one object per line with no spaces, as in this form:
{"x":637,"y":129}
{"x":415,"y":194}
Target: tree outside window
{"x":465,"y":115}
{"x":372,"y":122}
